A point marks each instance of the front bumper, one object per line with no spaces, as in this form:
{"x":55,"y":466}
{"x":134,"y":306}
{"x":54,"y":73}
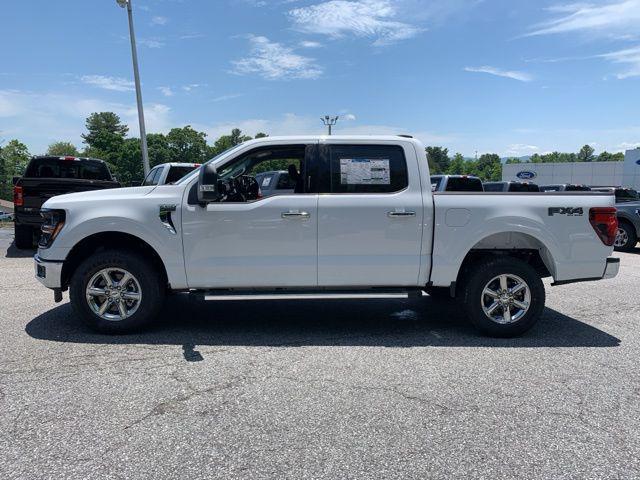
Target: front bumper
{"x":612,"y":267}
{"x":49,"y":273}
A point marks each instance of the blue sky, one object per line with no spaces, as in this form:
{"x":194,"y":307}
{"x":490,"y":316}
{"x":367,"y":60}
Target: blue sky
{"x":508,"y":76}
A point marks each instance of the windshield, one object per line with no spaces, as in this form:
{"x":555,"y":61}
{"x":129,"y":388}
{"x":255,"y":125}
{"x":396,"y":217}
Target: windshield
{"x":191,"y":175}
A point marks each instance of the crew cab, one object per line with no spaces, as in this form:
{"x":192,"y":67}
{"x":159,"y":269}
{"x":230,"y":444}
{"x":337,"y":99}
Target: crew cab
{"x":168,"y":173}
{"x":565,"y":187}
{"x":47,"y":176}
{"x":365,"y":223}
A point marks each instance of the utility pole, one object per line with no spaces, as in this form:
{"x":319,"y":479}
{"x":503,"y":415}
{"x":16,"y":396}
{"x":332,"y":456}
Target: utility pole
{"x":329,"y":121}
{"x":136,"y":76}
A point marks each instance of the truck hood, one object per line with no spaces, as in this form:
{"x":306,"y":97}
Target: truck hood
{"x":113,"y":194}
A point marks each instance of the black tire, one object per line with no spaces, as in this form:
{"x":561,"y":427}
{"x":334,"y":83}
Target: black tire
{"x":144,"y":272}
{"x":23,"y":237}
{"x":479,"y":274}
{"x":631,"y":237}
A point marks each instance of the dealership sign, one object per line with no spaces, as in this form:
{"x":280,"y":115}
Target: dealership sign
{"x":526,"y":175}
{"x":638,"y":162}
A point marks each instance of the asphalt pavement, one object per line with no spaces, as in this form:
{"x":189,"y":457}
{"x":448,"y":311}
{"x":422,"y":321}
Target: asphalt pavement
{"x":338,"y":389}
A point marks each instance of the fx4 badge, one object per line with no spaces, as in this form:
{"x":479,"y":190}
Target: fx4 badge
{"x":570,"y":211}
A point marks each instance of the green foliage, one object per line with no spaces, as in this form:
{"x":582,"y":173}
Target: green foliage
{"x":438,"y":159}
{"x":62,"y":149}
{"x":586,"y":154}
{"x":187,"y":145}
{"x":610,"y":157}
{"x":513,"y":160}
{"x":225,"y":142}
{"x":14,"y":159}
{"x":457,"y":165}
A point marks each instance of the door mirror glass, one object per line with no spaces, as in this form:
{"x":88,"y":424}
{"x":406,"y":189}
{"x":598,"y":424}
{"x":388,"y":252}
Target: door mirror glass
{"x":208,"y":184}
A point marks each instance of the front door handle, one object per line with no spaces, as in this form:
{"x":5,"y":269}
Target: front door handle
{"x":401,"y":214}
{"x":295,"y":214}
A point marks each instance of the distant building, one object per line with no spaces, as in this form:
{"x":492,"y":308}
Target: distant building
{"x":625,"y":173}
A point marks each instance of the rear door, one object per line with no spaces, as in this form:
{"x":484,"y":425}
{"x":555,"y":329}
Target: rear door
{"x":370,"y":215}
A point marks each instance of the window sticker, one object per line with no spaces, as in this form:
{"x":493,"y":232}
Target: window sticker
{"x":364,"y":171}
{"x":266,"y":181}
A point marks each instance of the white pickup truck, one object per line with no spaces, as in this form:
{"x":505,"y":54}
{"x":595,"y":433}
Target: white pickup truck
{"x":362,"y":221}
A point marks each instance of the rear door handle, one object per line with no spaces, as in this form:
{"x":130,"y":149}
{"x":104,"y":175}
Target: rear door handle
{"x":295,"y":214}
{"x":401,"y":214}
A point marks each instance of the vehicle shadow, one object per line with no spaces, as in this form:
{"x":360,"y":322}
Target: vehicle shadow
{"x":14,"y":252}
{"x":387,"y":323}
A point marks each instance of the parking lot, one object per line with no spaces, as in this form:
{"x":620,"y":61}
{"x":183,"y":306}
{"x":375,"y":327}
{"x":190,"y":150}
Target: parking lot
{"x":320,"y":389}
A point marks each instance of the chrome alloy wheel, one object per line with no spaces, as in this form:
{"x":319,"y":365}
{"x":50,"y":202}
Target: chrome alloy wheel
{"x":506,"y":298}
{"x":113,"y":294}
{"x":621,"y":238}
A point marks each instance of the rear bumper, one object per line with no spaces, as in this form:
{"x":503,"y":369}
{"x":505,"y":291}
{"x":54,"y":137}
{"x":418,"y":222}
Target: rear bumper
{"x":48,"y":273}
{"x":611,"y":269}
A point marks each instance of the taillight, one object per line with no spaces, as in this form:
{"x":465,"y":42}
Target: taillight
{"x":18,"y":198}
{"x":605,"y":222}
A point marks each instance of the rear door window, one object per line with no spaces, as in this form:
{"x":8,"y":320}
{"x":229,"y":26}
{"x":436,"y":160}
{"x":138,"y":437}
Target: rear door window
{"x":367,"y":168}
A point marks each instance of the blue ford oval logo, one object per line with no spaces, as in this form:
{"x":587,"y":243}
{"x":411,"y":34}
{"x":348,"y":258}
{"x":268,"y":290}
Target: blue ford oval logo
{"x":638,"y":161}
{"x":526,"y":175}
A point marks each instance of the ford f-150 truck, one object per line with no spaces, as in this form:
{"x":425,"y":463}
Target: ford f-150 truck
{"x":365,"y":223}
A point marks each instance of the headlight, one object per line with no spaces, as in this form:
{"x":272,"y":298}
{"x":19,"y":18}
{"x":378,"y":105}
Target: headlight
{"x":53,"y":223}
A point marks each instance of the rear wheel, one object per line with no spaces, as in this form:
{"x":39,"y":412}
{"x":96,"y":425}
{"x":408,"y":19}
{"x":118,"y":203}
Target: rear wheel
{"x":503,"y":297}
{"x":23,"y":236}
{"x":626,"y":238}
{"x":116,"y":292}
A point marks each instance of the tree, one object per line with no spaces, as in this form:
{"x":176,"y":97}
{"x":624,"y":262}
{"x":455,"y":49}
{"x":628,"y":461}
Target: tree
{"x":105,"y":137}
{"x":513,"y":160}
{"x":438,"y":159}
{"x":489,"y":167}
{"x":611,"y":157}
{"x":61,"y":149}
{"x":586,"y":154}
{"x":457,"y":165}
{"x":187,"y":145}
{"x":14,"y":157}
{"x":225,"y":142}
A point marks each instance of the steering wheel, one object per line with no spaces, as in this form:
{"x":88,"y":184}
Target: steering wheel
{"x":241,"y":189}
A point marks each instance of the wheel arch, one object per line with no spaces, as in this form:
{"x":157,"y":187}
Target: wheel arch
{"x":102,"y":241}
{"x":518,"y":245}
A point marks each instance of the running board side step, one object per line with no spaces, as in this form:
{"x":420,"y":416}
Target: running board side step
{"x":238,"y":295}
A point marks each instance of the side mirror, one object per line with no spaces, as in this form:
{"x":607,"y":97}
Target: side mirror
{"x":208,"y":184}
{"x":15,"y":180}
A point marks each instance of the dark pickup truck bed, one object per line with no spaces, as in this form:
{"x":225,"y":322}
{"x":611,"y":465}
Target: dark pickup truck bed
{"x":46,"y":177}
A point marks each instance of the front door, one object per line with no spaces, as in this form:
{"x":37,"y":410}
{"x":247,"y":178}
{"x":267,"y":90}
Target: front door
{"x":263,"y":242}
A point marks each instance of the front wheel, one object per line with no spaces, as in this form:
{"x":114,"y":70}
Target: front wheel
{"x":116,"y":291}
{"x":503,"y":296}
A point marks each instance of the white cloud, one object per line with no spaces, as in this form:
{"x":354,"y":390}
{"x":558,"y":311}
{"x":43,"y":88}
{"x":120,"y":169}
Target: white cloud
{"x":520,"y":149}
{"x":350,"y":117}
{"x":514,"y":75}
{"x":628,"y":145}
{"x":192,"y":86}
{"x":108,"y":83}
{"x":151,"y":43}
{"x":377,"y":19}
{"x":629,"y":56}
{"x":310,"y":44}
{"x":619,"y":17}
{"x":42,"y":118}
{"x":223,"y":98}
{"x":274,"y":61}
{"x":158,"y":20}
{"x":166,"y":91}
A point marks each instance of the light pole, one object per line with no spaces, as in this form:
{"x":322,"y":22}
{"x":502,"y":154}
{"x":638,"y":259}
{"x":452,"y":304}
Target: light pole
{"x":329,"y":121}
{"x":136,"y":76}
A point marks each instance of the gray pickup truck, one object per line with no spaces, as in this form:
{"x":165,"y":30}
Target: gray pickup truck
{"x":628,"y":212}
